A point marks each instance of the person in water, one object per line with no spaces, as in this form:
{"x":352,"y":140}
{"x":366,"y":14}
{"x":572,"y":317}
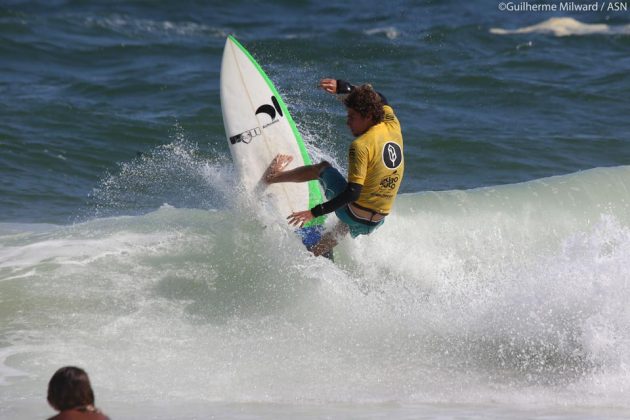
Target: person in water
{"x":70,"y":393}
{"x":375,"y":168}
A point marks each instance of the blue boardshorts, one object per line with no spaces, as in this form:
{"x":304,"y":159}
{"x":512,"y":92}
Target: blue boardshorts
{"x":334,"y":184}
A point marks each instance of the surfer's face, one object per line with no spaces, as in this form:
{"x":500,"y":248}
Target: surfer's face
{"x":357,"y":123}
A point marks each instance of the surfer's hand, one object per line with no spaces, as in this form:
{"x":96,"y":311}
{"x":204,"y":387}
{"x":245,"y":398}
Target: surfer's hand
{"x":329,"y":85}
{"x":300,"y":217}
{"x":276,"y":166}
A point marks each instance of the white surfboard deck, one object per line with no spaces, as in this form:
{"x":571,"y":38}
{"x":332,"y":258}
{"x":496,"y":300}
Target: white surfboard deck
{"x":259,"y":127}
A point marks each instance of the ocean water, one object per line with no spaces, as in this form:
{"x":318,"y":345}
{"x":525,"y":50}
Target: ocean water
{"x":498,"y":287}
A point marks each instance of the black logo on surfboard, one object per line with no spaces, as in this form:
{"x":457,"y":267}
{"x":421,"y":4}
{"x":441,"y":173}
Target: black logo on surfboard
{"x":246,"y":136}
{"x":270,"y":110}
{"x":273,"y":110}
{"x":392,"y":155}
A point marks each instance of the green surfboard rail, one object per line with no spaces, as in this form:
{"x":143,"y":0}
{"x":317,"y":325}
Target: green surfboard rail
{"x":314,"y":192}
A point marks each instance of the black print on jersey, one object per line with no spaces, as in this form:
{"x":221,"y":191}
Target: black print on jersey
{"x":392,"y":155}
{"x":389,"y":182}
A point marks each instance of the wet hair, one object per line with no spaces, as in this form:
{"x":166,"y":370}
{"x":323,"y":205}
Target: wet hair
{"x":70,"y":388}
{"x":367,"y":102}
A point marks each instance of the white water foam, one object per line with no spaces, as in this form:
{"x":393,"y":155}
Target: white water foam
{"x":509,"y":295}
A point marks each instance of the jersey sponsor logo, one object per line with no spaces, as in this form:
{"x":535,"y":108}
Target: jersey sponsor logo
{"x":390,"y":181}
{"x":392,"y":155}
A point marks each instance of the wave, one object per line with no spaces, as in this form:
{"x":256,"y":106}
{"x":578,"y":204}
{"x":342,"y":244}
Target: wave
{"x":513,"y":293}
{"x":566,"y":26}
{"x":127,"y":25}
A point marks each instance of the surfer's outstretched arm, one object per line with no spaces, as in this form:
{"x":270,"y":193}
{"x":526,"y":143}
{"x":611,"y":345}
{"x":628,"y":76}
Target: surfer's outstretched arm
{"x":342,"y":87}
{"x":275,"y":173}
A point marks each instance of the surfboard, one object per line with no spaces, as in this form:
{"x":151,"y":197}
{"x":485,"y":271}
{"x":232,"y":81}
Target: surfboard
{"x":258,"y":127}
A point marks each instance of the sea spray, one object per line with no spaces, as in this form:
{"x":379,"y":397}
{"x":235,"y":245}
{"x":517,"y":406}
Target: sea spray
{"x":461,"y":295}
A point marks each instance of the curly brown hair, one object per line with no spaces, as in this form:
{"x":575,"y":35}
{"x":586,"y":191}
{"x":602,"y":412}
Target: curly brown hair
{"x":367,"y":102}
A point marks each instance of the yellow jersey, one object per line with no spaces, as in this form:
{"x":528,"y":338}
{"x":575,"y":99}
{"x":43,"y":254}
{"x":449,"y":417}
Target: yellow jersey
{"x":375,"y":160}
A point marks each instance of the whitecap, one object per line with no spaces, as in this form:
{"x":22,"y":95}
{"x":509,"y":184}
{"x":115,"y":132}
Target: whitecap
{"x":389,"y":31}
{"x":131,"y":26}
{"x":565,"y":26}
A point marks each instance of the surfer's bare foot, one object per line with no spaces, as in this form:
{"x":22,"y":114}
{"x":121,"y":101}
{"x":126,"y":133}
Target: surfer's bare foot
{"x":276,"y":166}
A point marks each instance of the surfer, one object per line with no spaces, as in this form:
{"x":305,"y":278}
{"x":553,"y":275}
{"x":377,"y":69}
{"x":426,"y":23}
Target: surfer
{"x":375,"y":168}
